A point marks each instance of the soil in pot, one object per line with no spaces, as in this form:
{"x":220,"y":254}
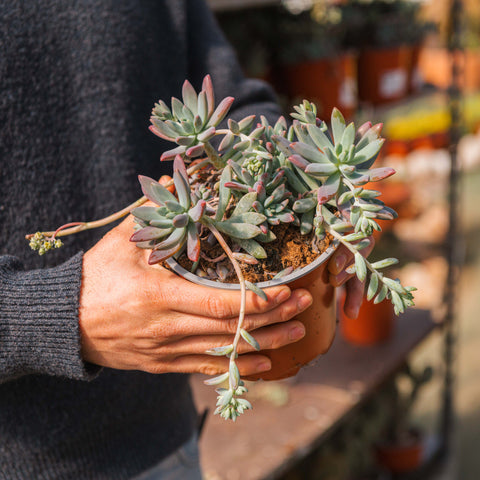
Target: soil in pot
{"x":292,"y":249}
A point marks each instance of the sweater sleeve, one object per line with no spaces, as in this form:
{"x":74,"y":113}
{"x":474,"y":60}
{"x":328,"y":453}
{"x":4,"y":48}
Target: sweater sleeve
{"x":209,"y":52}
{"x":39,"y":330}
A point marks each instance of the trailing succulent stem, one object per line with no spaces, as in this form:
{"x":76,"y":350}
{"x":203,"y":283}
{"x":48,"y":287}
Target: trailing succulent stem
{"x":303,"y":175}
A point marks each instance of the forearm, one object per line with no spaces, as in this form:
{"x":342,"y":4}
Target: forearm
{"x":39,"y":331}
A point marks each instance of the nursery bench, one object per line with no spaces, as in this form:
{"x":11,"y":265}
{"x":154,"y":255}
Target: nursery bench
{"x":291,"y":418}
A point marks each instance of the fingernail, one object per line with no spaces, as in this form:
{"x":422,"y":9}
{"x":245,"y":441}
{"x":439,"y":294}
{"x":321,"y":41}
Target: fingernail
{"x":282,"y":296}
{"x":304,"y":301}
{"x":340,"y":262}
{"x":296,"y":333}
{"x":264,"y":367}
{"x":354,"y":312}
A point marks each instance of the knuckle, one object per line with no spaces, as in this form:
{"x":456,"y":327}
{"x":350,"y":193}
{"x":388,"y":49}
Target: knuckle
{"x":216,"y":307}
{"x":209,"y":369}
{"x":154,"y":368}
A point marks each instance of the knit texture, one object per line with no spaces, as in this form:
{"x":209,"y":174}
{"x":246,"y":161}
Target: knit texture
{"x":78,"y":79}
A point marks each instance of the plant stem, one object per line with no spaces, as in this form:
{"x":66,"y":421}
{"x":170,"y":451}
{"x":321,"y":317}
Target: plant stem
{"x":81,"y":226}
{"x":352,"y":249}
{"x":241,"y":281}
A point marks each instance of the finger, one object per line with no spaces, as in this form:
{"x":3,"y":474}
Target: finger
{"x":354,"y":297}
{"x":181,"y":325}
{"x":340,"y":279}
{"x":248,"y":364}
{"x":186,"y":297}
{"x":343,"y":257}
{"x":271,"y":337}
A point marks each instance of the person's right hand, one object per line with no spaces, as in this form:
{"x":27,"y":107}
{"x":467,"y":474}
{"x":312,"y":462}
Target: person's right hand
{"x":137,"y":317}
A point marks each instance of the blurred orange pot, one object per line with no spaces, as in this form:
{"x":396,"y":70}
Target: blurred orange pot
{"x":383,"y":74}
{"x":374,"y":323}
{"x":329,"y":83}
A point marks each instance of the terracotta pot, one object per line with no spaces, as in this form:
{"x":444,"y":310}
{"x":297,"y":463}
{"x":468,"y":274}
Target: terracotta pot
{"x":319,"y":319}
{"x":403,"y":456}
{"x":373,"y":325}
{"x":435,"y":65}
{"x":329,"y":82}
{"x":383,"y":74}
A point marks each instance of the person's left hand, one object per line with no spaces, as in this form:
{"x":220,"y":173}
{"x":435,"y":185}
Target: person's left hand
{"x":341,"y":259}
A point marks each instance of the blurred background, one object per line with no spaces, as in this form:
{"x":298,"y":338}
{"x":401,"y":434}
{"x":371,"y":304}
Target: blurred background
{"x":396,"y":397}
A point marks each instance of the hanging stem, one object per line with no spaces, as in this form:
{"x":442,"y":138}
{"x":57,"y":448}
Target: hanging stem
{"x":81,"y":226}
{"x":241,"y":281}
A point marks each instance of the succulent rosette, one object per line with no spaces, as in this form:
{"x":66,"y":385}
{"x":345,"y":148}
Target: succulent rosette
{"x":261,"y":176}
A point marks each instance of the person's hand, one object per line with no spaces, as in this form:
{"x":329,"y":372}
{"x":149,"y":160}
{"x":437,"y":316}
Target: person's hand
{"x":341,"y":259}
{"x":141,"y":317}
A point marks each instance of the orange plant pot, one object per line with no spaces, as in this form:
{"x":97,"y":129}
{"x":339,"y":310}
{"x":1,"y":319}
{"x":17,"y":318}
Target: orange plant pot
{"x":374,"y":324}
{"x":383,"y":74}
{"x":319,"y":319}
{"x":402,"y":457}
{"x":329,"y":82}
{"x":435,"y":65}
{"x":320,"y":324}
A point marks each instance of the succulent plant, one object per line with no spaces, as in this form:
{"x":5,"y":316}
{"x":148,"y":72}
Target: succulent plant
{"x":304,"y":174}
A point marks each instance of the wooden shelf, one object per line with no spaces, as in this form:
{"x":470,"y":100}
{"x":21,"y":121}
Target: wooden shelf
{"x":266,"y":442}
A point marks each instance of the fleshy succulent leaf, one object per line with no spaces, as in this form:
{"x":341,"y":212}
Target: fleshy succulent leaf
{"x":249,"y":339}
{"x":338,"y":126}
{"x":160,"y":255}
{"x":207,"y":87}
{"x":145,"y":213}
{"x":171,"y":154}
{"x":198,"y":210}
{"x":149,"y":233}
{"x":244,"y":205}
{"x":368,"y":152}
{"x":238,"y":230}
{"x":309,"y":152}
{"x":177,"y":237}
{"x":220,"y":112}
{"x":224,"y":193}
{"x":258,"y":291}
{"x":154,"y":191}
{"x":329,"y":188}
{"x":193,"y":243}
{"x":252,"y":247}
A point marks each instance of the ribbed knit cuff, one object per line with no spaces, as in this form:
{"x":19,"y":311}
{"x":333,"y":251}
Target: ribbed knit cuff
{"x":39,"y":331}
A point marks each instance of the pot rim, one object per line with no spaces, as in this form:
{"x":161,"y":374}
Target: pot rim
{"x":296,"y":274}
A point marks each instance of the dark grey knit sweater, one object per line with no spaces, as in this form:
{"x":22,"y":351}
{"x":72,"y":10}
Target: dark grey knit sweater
{"x":78,"y":79}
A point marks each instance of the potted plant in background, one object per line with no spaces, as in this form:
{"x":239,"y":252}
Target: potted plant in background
{"x":374,"y":324}
{"x":311,"y":59}
{"x":403,"y":448}
{"x":235,"y":203}
{"x":387,"y":34}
